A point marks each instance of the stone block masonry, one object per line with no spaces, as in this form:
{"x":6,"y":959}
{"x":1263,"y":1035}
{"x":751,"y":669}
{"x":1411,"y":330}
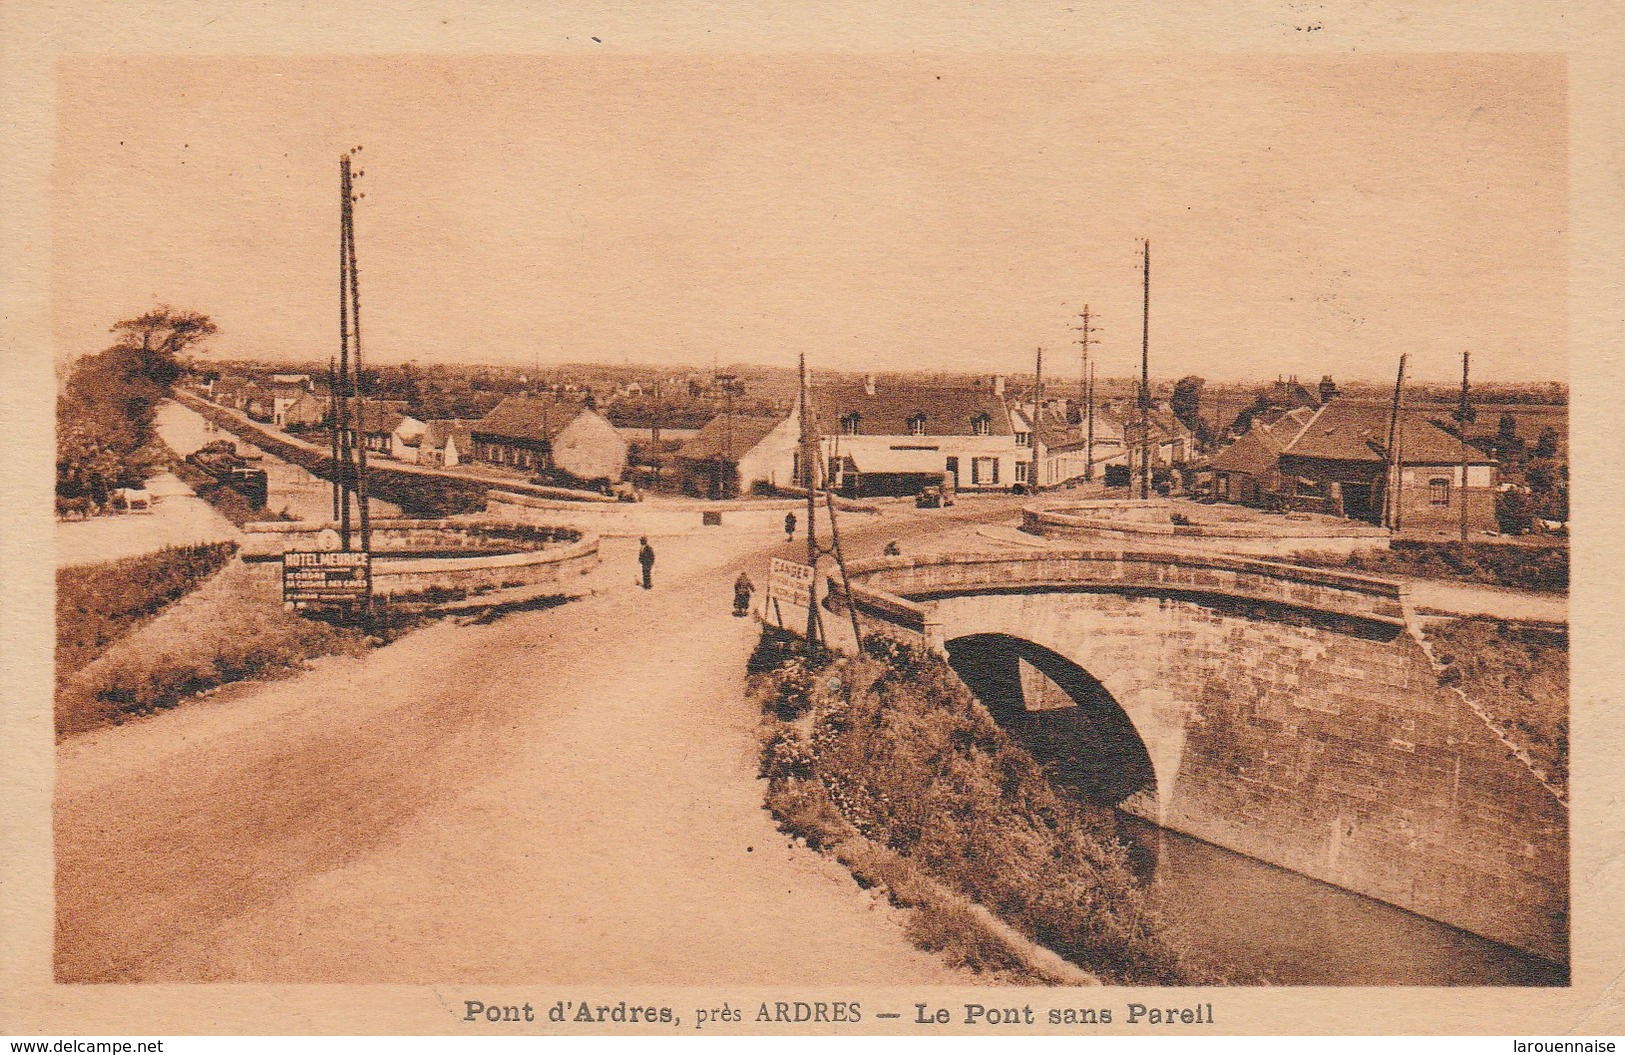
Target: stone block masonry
{"x":1325,"y":747}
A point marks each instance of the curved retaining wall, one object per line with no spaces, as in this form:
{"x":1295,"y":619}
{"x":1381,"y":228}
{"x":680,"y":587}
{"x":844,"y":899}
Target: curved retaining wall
{"x":1096,"y":521}
{"x":560,"y":560}
{"x":653,"y":517}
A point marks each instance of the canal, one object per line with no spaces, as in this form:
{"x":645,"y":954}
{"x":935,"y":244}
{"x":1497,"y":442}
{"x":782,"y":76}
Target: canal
{"x":1254,"y":921}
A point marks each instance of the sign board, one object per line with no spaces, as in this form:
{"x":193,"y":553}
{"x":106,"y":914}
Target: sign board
{"x":788,"y":583}
{"x":326,"y":578}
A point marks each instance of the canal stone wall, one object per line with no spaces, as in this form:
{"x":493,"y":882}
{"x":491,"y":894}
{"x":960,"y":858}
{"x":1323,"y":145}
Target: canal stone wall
{"x":554,"y":558}
{"x":1317,"y":740}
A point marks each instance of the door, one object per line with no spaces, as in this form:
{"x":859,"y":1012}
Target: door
{"x":953,"y":470}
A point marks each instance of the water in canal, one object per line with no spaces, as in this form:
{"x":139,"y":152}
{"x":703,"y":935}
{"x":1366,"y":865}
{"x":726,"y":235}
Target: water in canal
{"x":1253,"y":920}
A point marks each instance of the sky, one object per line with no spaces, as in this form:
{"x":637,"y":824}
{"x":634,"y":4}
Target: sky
{"x":1305,"y":215}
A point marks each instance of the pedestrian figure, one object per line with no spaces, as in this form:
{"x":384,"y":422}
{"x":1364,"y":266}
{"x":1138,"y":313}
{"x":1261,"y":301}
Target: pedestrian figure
{"x":743,"y":588}
{"x":646,"y":558}
{"x":789,"y":527}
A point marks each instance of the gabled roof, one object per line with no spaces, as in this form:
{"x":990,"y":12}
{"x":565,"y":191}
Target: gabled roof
{"x":382,"y":415}
{"x":948,"y":410}
{"x":1343,"y":430}
{"x":438,"y":431}
{"x":1255,"y":452}
{"x":530,"y":418}
{"x":730,"y":438}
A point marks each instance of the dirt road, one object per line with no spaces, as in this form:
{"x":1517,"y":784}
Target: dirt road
{"x":564,"y":795}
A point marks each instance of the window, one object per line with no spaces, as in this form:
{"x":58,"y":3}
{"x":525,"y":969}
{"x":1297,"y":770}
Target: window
{"x":849,"y":424}
{"x":1022,"y":439}
{"x":916,"y":425}
{"x":1021,"y":472}
{"x":981,"y":425}
{"x":984,"y":471}
{"x":1439,"y":491}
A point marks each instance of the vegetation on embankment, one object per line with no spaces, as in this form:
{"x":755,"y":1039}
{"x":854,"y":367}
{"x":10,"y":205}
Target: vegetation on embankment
{"x":98,"y":604}
{"x":1519,"y":674}
{"x":887,"y":762}
{"x":1523,"y":566}
{"x":233,"y":628}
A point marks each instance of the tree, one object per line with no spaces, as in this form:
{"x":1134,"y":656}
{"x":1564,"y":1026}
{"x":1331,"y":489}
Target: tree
{"x":1506,"y":433}
{"x":161,"y":335}
{"x":1187,"y":400}
{"x":1546,"y":444}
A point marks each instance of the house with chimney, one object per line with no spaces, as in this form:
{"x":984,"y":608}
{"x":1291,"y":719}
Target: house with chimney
{"x":894,"y":438}
{"x":1248,"y":472}
{"x":545,"y":434}
{"x":1340,"y":463}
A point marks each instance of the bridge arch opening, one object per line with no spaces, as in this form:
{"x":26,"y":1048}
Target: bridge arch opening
{"x":1087,"y":744}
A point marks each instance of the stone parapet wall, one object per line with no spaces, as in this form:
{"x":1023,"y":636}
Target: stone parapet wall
{"x":655,"y":516}
{"x":543,"y":557}
{"x":1127,"y":522}
{"x":1339,"y":594}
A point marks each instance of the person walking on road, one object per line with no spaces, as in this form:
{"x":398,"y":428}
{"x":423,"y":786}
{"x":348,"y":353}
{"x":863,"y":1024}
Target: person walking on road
{"x":789,"y":527}
{"x":743,"y":588}
{"x":646,"y":558}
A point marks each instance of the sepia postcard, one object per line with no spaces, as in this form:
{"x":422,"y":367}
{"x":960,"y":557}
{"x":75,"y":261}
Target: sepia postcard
{"x":890,"y":520}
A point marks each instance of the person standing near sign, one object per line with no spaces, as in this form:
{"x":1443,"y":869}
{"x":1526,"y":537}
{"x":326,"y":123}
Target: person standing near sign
{"x":646,"y":558}
{"x":789,"y":527}
{"x":743,"y":588}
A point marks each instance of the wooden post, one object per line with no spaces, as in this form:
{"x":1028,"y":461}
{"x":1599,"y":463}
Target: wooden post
{"x":1395,"y":469}
{"x":1145,"y":383}
{"x":355,"y":319}
{"x":1463,"y":415}
{"x":809,"y":466}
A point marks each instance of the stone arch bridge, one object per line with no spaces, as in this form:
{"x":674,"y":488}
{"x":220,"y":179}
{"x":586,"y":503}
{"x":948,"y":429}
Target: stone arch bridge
{"x":1282,"y":712}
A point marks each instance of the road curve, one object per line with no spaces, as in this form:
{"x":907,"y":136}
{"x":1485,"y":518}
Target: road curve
{"x":563,"y":795}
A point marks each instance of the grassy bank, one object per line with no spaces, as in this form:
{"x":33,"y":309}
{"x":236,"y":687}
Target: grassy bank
{"x":1519,"y":675}
{"x":231,"y":629}
{"x":98,"y":604}
{"x":1523,"y":567}
{"x":889,"y":764}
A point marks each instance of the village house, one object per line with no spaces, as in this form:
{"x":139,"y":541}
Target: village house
{"x":1339,"y":464}
{"x":1062,"y":446}
{"x":541,"y":434}
{"x":1248,"y":472}
{"x":895,"y":439}
{"x":386,"y":428}
{"x":445,"y":443}
{"x":1117,"y":435}
{"x":733,"y":453}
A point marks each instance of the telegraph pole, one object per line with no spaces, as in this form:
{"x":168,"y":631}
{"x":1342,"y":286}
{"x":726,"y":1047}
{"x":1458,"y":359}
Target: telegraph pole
{"x":1145,"y":383}
{"x":342,"y":470}
{"x":1394,"y":471}
{"x":1087,"y":391}
{"x":1038,"y":411}
{"x":1464,"y":414}
{"x":350,"y":199}
{"x":333,"y":429}
{"x":809,"y":462}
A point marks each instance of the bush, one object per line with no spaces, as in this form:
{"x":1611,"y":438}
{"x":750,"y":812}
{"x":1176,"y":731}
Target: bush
{"x":232,"y":629}
{"x":98,"y":604}
{"x":893,"y":747}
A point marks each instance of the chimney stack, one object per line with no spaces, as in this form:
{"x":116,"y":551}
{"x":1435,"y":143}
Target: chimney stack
{"x":998,"y":385}
{"x":868,"y":384}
